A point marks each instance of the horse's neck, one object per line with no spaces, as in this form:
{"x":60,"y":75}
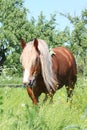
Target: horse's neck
{"x":40,"y":81}
{"x":39,"y":78}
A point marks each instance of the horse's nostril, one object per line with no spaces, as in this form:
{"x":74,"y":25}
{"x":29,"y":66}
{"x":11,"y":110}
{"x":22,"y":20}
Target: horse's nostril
{"x":30,"y":83}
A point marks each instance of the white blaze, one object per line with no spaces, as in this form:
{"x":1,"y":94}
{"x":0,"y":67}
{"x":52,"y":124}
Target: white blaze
{"x":26,"y":76}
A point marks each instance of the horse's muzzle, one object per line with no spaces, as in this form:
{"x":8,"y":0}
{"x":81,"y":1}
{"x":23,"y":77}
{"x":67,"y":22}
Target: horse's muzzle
{"x":31,"y":83}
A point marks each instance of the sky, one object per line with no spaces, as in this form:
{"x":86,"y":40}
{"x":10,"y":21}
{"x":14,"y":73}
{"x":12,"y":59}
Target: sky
{"x":74,"y":7}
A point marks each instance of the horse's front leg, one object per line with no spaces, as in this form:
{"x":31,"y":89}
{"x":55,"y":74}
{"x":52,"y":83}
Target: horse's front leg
{"x":32,"y":96}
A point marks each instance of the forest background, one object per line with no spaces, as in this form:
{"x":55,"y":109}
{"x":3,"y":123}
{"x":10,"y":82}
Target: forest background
{"x":15,"y":25}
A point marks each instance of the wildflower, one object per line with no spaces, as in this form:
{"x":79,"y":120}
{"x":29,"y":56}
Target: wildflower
{"x":22,"y":105}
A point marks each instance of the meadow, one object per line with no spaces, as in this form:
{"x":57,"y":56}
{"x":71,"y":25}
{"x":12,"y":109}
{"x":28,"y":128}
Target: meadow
{"x":18,"y":113}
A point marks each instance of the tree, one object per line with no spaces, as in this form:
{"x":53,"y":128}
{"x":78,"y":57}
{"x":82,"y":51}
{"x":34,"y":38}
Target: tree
{"x":78,"y":40}
{"x":46,"y":29}
{"x":13,"y":26}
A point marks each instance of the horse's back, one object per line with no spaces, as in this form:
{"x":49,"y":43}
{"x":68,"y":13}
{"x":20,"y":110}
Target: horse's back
{"x":64,"y":65}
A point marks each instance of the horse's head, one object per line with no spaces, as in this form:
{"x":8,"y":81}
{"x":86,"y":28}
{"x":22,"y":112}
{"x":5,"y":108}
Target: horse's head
{"x":30,"y":59}
{"x":36,"y":60}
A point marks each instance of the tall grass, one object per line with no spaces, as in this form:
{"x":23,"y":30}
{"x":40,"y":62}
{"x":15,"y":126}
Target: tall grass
{"x":18,"y":113}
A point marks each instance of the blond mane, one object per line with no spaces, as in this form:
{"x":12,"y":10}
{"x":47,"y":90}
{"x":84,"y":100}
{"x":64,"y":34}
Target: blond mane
{"x":46,"y":64}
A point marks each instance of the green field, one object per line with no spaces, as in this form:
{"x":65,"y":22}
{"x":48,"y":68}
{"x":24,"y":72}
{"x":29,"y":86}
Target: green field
{"x":18,"y":113}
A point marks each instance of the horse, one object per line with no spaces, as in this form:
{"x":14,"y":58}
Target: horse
{"x":45,"y":72}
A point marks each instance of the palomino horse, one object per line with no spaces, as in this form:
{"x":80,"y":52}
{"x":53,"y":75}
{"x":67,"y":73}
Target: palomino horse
{"x":45,"y":72}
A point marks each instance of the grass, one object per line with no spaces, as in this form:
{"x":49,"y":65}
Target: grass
{"x":18,"y":113}
{"x":10,"y":80}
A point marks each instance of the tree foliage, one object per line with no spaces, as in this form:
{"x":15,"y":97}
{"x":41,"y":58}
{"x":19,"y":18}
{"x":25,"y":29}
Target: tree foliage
{"x":78,"y":38}
{"x":14,"y":25}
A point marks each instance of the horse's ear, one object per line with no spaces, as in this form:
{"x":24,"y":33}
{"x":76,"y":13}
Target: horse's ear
{"x":36,"y":44}
{"x":23,"y":44}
